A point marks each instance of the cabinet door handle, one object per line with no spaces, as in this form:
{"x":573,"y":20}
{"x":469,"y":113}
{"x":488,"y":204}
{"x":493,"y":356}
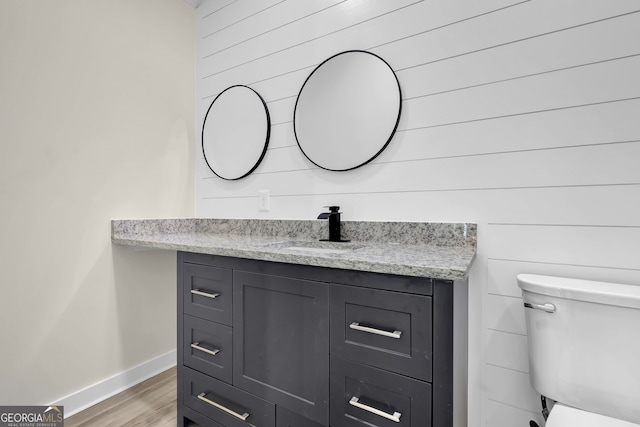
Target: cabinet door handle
{"x":197,"y":346}
{"x":357,"y":326}
{"x":393,"y":417}
{"x":204,"y":294}
{"x":203,"y":397}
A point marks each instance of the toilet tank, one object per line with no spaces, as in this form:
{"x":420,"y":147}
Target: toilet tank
{"x":584,"y":343}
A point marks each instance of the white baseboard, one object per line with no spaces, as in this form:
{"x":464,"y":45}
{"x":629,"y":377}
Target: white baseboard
{"x":96,"y":393}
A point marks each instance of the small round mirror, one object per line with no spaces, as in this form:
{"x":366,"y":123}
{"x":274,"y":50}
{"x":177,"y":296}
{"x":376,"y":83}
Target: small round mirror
{"x":235,"y":133}
{"x":347,"y":111}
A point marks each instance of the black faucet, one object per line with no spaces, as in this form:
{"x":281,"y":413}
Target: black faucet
{"x":334,"y":224}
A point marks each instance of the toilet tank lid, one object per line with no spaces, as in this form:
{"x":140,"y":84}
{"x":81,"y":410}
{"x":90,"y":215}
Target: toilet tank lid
{"x":563,"y":415}
{"x":583,"y":290}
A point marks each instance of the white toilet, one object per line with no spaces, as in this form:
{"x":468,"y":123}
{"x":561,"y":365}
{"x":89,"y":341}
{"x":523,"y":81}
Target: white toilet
{"x":584,"y":349}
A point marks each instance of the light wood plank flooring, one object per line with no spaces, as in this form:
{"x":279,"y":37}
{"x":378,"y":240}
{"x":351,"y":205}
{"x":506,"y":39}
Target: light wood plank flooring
{"x":150,"y":403}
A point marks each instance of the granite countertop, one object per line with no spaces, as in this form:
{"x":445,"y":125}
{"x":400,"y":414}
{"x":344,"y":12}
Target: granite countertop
{"x":436,"y":250}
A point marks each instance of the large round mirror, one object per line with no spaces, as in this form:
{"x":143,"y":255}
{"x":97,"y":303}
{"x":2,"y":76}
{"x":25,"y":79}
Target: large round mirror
{"x":347,"y":111}
{"x":235,"y":133}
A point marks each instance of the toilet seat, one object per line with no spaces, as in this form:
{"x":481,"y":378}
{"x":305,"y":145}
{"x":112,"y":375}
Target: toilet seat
{"x":566,"y":416}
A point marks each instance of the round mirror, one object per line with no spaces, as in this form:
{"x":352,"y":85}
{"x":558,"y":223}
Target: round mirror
{"x":235,"y":133}
{"x":347,"y":111}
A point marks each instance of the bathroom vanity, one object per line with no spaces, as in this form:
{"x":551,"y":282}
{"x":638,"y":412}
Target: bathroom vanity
{"x":278,"y":329}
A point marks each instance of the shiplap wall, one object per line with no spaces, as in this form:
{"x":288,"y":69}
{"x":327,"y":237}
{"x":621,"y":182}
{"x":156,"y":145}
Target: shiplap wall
{"x":522,"y":116}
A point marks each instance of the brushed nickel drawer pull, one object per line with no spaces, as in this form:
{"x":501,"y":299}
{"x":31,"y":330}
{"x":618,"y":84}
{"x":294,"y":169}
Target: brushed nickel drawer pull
{"x":395,"y":417}
{"x":358,"y":327}
{"x":243,"y":417}
{"x":197,"y":346}
{"x":204,"y":294}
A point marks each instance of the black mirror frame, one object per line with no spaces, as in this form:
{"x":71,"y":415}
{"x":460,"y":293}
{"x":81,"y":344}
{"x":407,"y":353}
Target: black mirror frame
{"x":395,"y":127}
{"x":266,"y":142}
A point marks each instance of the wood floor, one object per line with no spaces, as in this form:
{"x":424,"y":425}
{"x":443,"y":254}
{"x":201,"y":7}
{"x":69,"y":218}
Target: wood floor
{"x":150,"y":403}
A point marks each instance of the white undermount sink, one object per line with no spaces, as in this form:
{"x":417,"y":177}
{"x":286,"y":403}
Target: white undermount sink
{"x":318,"y":247}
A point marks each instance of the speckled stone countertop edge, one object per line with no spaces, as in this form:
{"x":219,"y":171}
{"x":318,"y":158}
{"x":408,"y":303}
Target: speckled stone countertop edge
{"x":437,"y":250}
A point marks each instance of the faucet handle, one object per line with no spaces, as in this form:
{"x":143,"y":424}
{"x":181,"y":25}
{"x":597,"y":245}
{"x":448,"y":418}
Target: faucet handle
{"x":333,"y":208}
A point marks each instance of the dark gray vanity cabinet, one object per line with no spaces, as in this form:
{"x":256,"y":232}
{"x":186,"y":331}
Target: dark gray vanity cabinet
{"x":269,"y":344}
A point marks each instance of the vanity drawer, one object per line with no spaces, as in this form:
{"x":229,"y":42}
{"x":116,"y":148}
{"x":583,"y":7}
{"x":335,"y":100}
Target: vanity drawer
{"x":365,"y":396}
{"x":207,"y":347}
{"x":226,"y":404}
{"x":386,"y":329}
{"x":207,"y":292}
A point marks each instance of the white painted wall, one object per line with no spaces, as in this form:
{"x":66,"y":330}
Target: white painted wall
{"x":96,"y":122}
{"x":522,"y":116}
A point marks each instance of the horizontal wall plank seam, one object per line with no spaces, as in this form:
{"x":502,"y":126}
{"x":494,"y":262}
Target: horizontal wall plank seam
{"x":524,"y":76}
{"x":503,"y":116}
{"x":351,"y":193}
{"x":429,"y":30}
{"x":307,"y":41}
{"x":491,"y":153}
{"x":283,"y":123}
{"x":518,"y":40}
{"x":308,"y":67}
{"x":505,"y":296}
{"x":293,"y":96}
{"x":565,"y":107}
{"x":271,"y":30}
{"x":243,"y":19}
{"x":218,"y":10}
{"x":515,"y":224}
{"x":281,"y":147}
{"x":505,"y":332}
{"x":504,"y":367}
{"x":568,"y":264}
{"x":511,"y":406}
{"x":573,"y":264}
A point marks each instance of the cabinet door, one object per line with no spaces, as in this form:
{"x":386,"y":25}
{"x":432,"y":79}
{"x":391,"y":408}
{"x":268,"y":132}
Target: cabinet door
{"x":281,"y":341}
